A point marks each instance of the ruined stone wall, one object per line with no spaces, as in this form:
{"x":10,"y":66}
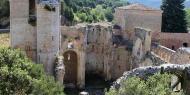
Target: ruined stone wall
{"x":23,"y":35}
{"x":98,"y":47}
{"x":181,"y":56}
{"x":129,"y":19}
{"x":171,"y":40}
{"x":163,"y":52}
{"x":121,"y":62}
{"x":94,"y":41}
{"x":76,"y":36}
{"x":141,"y":43}
{"x":48,"y":36}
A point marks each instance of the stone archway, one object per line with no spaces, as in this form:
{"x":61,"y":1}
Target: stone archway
{"x":70,"y":62}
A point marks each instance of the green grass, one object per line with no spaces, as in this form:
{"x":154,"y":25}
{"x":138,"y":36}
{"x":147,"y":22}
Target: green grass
{"x":4,"y":39}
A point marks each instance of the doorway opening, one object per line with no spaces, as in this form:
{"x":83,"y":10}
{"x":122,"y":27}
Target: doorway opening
{"x":70,"y":62}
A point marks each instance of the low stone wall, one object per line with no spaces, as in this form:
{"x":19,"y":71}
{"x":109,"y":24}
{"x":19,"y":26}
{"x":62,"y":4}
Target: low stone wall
{"x":182,"y":71}
{"x":156,"y":60}
{"x":163,"y":53}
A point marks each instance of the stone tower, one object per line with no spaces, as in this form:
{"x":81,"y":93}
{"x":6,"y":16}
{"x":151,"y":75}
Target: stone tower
{"x":23,"y":31}
{"x":48,"y":31}
{"x":35,"y":30}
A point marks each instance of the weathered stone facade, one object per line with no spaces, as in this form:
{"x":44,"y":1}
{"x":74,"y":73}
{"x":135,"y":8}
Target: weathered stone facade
{"x":23,"y":35}
{"x":137,"y":15}
{"x":39,"y":38}
{"x":172,"y":40}
{"x":96,"y":51}
{"x":181,"y":56}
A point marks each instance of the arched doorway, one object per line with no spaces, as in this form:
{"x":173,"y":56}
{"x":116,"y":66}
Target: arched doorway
{"x":70,"y":62}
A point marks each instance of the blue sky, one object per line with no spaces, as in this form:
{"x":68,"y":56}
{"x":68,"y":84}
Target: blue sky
{"x":155,"y":3}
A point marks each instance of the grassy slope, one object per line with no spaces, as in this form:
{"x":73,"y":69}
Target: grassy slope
{"x":4,"y":39}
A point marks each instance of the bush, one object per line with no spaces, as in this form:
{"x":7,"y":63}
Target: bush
{"x":18,"y":75}
{"x":158,"y":84}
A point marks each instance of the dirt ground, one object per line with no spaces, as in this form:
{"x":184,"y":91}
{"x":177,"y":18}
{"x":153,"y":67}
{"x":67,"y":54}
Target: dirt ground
{"x":4,"y":39}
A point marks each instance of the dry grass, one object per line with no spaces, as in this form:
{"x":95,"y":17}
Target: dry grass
{"x":4,"y":39}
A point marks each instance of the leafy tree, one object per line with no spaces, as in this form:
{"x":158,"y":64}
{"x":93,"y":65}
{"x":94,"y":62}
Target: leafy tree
{"x":158,"y":84}
{"x":188,"y":17}
{"x":109,"y":14}
{"x":92,"y":10}
{"x":4,"y":13}
{"x":19,"y":76}
{"x":82,"y":17}
{"x":68,"y":13}
{"x":173,"y":19}
{"x":4,"y":8}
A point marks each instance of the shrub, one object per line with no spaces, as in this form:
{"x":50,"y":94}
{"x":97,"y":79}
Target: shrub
{"x":18,"y":75}
{"x":158,"y":84}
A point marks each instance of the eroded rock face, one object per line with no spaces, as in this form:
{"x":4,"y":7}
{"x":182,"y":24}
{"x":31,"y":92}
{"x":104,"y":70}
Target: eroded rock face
{"x":144,"y":72}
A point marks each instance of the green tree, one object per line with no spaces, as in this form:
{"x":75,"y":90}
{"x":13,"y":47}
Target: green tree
{"x":95,"y":10}
{"x":158,"y":84}
{"x":68,"y":13}
{"x":173,"y":19}
{"x":109,"y":14}
{"x":19,"y":76}
{"x":4,"y":13}
{"x":188,"y":17}
{"x":82,"y":17}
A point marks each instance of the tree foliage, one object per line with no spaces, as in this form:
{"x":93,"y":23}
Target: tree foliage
{"x":188,"y":17}
{"x":4,"y":13}
{"x":19,"y":76}
{"x":91,"y":10}
{"x":158,"y":84}
{"x":173,"y":19}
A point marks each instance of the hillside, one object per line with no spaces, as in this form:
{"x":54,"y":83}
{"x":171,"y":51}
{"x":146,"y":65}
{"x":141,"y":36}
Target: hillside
{"x":90,"y":10}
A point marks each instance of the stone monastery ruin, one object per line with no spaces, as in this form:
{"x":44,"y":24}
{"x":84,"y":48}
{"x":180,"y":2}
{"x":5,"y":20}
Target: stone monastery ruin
{"x":71,"y":52}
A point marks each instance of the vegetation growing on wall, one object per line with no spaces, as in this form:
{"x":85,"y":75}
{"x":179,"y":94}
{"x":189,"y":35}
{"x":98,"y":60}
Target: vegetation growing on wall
{"x":173,"y":18}
{"x":19,"y":76}
{"x":158,"y":84}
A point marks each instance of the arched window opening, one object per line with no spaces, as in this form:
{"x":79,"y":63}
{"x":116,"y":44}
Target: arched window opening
{"x":185,"y":44}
